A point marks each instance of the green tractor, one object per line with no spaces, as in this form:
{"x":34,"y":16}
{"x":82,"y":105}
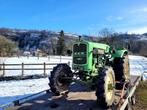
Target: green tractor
{"x":96,"y":65}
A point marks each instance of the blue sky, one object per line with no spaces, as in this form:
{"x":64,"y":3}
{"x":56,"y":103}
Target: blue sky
{"x":76,"y":16}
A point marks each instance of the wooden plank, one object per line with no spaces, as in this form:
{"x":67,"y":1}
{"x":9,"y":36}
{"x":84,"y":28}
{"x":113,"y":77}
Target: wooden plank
{"x":134,"y":80}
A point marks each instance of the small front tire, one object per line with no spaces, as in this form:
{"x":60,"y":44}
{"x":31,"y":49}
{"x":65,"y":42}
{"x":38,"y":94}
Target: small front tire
{"x":57,"y":84}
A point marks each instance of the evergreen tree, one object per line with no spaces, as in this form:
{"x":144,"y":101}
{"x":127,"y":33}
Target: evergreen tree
{"x":61,"y":44}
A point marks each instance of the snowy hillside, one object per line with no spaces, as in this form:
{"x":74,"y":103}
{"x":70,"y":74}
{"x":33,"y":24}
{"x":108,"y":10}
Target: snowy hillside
{"x":12,"y":90}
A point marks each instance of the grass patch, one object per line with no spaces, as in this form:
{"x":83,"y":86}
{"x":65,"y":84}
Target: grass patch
{"x":141,"y":95}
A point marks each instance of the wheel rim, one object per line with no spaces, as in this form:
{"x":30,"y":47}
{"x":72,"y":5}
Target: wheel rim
{"x":109,"y":86}
{"x":60,"y":81}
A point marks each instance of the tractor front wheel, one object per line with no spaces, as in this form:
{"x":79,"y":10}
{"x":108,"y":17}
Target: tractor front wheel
{"x":105,"y":91}
{"x":57,"y":83}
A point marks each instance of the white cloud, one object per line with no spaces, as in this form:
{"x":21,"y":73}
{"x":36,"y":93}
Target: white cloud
{"x":139,"y":10}
{"x":119,"y":18}
{"x":114,"y":18}
{"x":144,"y":9}
{"x":138,"y":30}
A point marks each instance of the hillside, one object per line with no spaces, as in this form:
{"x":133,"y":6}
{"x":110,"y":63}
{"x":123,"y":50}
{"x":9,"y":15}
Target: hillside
{"x":31,"y":40}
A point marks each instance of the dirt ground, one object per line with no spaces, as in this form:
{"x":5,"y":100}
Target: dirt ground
{"x":78,"y":99}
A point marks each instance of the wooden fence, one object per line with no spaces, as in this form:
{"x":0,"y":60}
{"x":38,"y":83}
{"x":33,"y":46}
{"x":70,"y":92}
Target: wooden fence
{"x":22,"y":67}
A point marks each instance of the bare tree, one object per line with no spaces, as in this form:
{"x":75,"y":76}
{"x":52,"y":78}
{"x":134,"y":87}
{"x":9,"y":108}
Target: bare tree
{"x":106,"y":34}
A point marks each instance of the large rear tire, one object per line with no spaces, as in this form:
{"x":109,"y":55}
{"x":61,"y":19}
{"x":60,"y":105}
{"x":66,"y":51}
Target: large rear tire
{"x":126,"y":66}
{"x":121,"y":70}
{"x":105,"y":90}
{"x":57,"y":84}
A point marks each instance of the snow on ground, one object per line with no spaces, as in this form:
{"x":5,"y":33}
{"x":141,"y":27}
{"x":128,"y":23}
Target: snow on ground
{"x":12,"y":90}
{"x":34,"y":60}
{"x":138,"y":65}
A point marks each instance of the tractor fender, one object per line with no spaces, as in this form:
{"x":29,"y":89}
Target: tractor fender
{"x":120,"y":53}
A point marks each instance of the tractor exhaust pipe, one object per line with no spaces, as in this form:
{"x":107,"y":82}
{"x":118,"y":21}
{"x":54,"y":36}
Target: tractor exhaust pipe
{"x":80,"y":38}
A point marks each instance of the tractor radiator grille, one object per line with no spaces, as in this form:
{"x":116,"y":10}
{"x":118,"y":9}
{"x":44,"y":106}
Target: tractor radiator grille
{"x":80,"y":56}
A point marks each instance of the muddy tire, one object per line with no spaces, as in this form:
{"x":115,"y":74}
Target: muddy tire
{"x":56,"y":83}
{"x":105,"y":90}
{"x":121,"y":70}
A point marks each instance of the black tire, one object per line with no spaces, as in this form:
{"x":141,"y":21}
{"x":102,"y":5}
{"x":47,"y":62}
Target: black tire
{"x":105,"y":94}
{"x":129,"y":106}
{"x":133,"y":100}
{"x":56,"y":85}
{"x":121,"y":70}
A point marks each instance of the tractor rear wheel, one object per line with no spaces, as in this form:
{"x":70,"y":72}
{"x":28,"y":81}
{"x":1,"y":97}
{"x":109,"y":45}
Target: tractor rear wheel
{"x":126,"y":66}
{"x":57,"y":83}
{"x":121,"y":70}
{"x":105,"y":91}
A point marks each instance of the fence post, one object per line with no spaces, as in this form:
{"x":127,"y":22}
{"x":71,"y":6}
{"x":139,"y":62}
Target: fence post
{"x":3,"y":69}
{"x":44,"y":69}
{"x":38,"y":56}
{"x":60,"y":58}
{"x":22,"y":69}
{"x":49,"y":58}
{"x":68,"y":63}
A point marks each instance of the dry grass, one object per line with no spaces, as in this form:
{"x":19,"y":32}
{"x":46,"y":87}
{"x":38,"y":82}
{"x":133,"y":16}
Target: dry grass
{"x":141,"y":96}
